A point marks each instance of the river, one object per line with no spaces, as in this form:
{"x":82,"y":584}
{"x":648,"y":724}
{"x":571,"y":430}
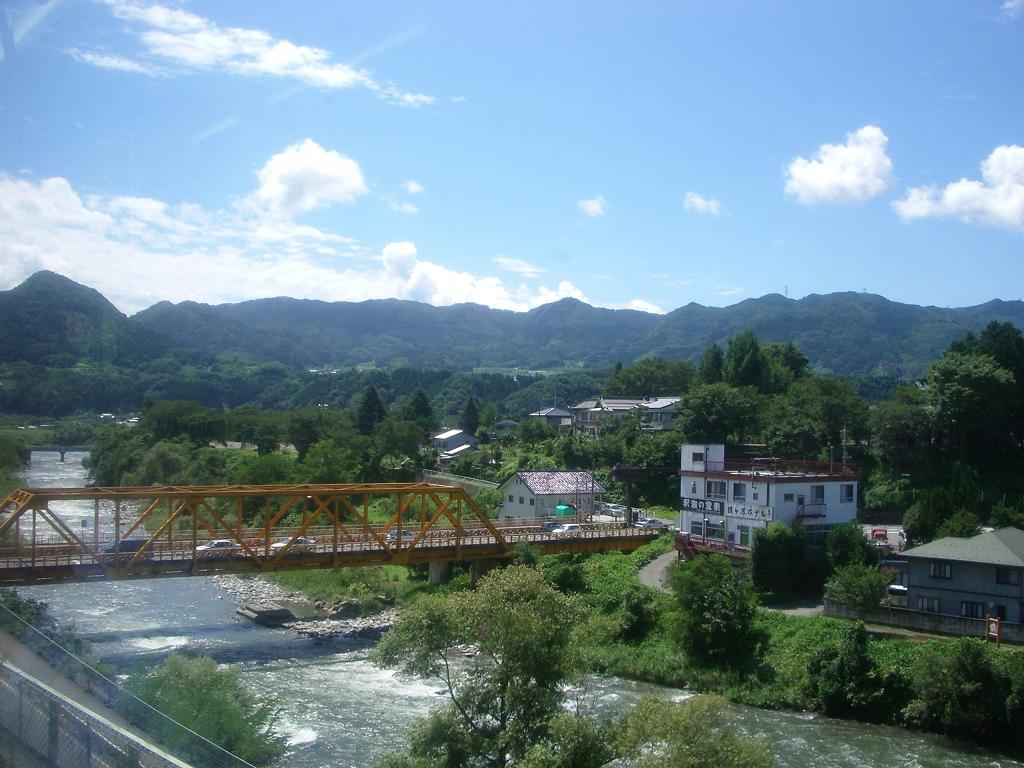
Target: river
{"x":337,"y":709}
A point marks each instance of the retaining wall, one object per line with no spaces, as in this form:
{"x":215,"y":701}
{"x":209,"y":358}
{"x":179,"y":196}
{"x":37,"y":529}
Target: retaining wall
{"x":41,"y":728}
{"x":939,"y":623}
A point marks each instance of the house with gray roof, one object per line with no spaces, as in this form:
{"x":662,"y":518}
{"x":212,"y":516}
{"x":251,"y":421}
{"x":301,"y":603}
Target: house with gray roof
{"x":651,"y":413}
{"x":976,"y":577}
{"x":532,"y":495}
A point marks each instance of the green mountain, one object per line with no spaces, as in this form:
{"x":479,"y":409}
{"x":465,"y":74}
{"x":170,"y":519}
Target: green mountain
{"x":51,"y":320}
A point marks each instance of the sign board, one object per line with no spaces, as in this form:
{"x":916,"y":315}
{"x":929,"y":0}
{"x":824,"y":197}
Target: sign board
{"x":703,"y":505}
{"x":992,"y":629}
{"x":750,"y":513}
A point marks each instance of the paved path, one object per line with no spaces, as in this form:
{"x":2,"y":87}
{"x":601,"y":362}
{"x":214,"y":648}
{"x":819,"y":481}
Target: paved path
{"x":655,"y":573}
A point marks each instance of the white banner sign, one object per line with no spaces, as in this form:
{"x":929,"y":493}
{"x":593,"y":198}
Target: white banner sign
{"x":703,"y":505}
{"x":750,"y":513}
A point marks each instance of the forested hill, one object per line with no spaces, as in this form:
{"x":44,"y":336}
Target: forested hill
{"x":50,"y":319}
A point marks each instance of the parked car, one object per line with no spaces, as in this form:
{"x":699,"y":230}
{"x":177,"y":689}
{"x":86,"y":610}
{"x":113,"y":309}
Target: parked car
{"x":407,"y":536}
{"x":547,"y":526}
{"x":567,"y":530}
{"x":301,"y":544}
{"x":218,"y":548}
{"x":128,"y":547}
{"x":653,"y":524}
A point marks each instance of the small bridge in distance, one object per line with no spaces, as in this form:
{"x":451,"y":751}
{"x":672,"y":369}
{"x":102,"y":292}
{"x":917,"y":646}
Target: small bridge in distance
{"x":147,"y":532}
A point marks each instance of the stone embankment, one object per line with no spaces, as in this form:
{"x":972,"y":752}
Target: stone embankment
{"x":342,"y":620}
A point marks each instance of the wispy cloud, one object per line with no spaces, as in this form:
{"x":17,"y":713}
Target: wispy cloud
{"x":518,"y":266}
{"x":413,"y":187}
{"x":400,"y":207}
{"x":109,"y":61}
{"x":700,"y":204}
{"x":842,"y":173}
{"x":179,"y":38}
{"x":998,"y":199}
{"x":1011,"y":10}
{"x":728,"y":290}
{"x":594,"y":206}
{"x":213,"y":130}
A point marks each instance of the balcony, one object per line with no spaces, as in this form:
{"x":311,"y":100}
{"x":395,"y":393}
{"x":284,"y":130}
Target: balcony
{"x":804,"y":511}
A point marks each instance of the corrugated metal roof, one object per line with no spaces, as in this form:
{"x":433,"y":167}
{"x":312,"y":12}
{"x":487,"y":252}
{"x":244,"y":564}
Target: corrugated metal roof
{"x":449,"y":433}
{"x":551,"y":412}
{"x":562,"y":482}
{"x":1002,"y":547}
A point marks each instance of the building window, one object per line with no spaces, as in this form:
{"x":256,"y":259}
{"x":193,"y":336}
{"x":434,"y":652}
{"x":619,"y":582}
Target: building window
{"x":744,"y":535}
{"x":531,"y":502}
{"x":929,"y":604}
{"x":817,"y":494}
{"x":846,"y":493}
{"x":697,"y":457}
{"x":520,"y":499}
{"x":972,"y":610}
{"x":696,"y":527}
{"x":716,"y":531}
{"x":940,"y":570}
{"x":739,"y":491}
{"x":1008,"y":576}
{"x":1000,"y":612}
{"x":716,"y":489}
{"x":754,"y":495}
{"x":693,"y":487}
{"x":787,"y":497}
{"x":510,"y":499}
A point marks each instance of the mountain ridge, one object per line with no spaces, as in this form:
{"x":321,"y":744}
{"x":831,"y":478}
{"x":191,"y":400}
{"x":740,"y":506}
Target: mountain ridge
{"x":846,"y":332}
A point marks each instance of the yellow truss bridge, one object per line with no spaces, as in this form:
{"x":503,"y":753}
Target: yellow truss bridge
{"x":155,"y":531}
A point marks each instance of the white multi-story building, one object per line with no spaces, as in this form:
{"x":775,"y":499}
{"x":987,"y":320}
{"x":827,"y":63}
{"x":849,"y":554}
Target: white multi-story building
{"x":725,"y":501}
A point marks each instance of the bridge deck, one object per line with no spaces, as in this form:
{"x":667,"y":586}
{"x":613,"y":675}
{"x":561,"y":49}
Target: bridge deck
{"x":266,"y":528}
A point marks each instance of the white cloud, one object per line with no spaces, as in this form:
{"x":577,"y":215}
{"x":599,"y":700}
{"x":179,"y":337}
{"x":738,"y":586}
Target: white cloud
{"x":997,"y":200}
{"x":728,"y":290}
{"x":518,"y":266}
{"x":413,"y":187}
{"x":177,"y":37}
{"x":594,"y":206}
{"x":1011,"y":9}
{"x":645,"y":306}
{"x":842,"y":173}
{"x":406,"y":207}
{"x":700,"y":204}
{"x":109,"y":61}
{"x":137,"y":251}
{"x":305,"y":176}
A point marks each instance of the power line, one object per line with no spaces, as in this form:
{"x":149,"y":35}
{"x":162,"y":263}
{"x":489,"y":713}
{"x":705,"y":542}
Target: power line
{"x":125,"y":692}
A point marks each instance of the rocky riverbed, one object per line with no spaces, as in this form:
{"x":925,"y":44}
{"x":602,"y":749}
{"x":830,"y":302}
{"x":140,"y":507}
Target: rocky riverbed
{"x":342,"y":620}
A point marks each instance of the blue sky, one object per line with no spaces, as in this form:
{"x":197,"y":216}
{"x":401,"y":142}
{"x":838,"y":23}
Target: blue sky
{"x":639,"y":155}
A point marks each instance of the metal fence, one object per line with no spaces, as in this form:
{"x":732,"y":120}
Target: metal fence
{"x":41,"y":727}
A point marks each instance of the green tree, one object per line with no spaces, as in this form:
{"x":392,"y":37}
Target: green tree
{"x":776,"y":559}
{"x":962,"y":523}
{"x":210,"y":701}
{"x":745,"y":364}
{"x":959,"y":689}
{"x":970,"y":394}
{"x":418,"y":409}
{"x":497,"y":710}
{"x":718,"y":413}
{"x":660,"y":734}
{"x":842,"y":680}
{"x":859,"y":587}
{"x":168,"y":419}
{"x":715,"y":607}
{"x":370,"y":410}
{"x":709,"y":371}
{"x":469,"y":421}
{"x":846,"y":544}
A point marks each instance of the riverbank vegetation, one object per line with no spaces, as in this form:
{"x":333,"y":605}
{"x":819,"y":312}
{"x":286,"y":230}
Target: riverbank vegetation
{"x":507,"y":705}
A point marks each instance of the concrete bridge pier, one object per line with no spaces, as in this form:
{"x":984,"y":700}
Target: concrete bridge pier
{"x":439,"y":571}
{"x":477,"y":568}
